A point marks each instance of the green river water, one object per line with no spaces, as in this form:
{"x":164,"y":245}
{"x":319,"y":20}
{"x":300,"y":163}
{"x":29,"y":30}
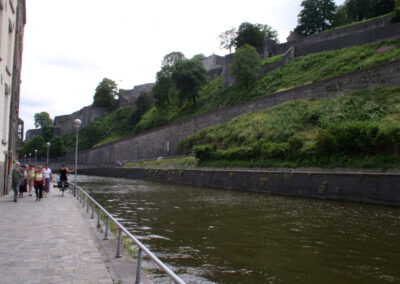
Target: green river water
{"x":220,"y":236}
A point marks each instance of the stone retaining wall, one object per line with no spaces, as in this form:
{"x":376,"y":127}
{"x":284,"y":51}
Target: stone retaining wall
{"x":357,"y":187}
{"x":164,"y":141}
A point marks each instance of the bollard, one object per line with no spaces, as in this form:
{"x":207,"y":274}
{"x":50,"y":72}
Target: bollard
{"x":106,"y":232}
{"x":139,"y":267}
{"x":119,"y":243}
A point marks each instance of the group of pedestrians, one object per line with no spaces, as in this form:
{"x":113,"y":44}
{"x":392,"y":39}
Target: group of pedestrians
{"x":27,"y":177}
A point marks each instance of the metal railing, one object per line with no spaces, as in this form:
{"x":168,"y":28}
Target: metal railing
{"x":90,"y":202}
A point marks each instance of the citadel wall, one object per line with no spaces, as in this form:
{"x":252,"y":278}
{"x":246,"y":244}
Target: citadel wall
{"x":165,"y":140}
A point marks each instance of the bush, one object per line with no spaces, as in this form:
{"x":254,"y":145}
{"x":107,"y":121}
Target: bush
{"x":204,"y":152}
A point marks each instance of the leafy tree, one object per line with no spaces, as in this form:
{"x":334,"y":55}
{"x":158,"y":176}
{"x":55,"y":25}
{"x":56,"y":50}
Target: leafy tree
{"x":188,"y":77}
{"x":227,"y":39}
{"x":164,"y":85}
{"x":316,"y":16}
{"x":341,"y":17}
{"x":106,"y":94}
{"x":396,"y":13}
{"x":142,"y":104}
{"x":173,"y":57}
{"x":246,"y":69}
{"x":199,"y":57}
{"x":57,"y":147}
{"x":359,"y":10}
{"x":42,"y":119}
{"x":268,"y":31}
{"x":250,"y":34}
{"x":254,"y":35}
{"x":36,"y":143}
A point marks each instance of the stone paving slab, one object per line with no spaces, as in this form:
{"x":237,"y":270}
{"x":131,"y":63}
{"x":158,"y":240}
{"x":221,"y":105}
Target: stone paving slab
{"x":47,"y":241}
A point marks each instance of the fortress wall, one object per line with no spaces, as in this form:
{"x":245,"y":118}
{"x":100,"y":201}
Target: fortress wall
{"x":87,"y":114}
{"x":357,"y":34}
{"x":163,"y":141}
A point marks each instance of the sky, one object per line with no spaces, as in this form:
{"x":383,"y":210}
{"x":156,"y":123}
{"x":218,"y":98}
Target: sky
{"x":71,"y":45}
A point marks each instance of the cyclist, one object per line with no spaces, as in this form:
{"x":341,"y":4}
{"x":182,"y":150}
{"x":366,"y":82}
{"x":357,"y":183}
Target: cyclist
{"x":64,"y":177}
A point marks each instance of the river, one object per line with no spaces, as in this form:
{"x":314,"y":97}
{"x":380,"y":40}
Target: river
{"x":220,"y":236}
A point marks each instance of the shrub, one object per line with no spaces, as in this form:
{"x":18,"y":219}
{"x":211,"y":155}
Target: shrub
{"x":204,"y":152}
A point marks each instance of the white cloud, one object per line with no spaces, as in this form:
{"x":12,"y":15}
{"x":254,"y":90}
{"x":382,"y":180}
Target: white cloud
{"x":71,"y":45}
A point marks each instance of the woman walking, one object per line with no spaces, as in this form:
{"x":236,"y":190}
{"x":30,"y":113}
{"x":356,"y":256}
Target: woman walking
{"x":47,"y":174}
{"x":31,"y":178}
{"x":24,"y":182}
{"x":39,"y":181}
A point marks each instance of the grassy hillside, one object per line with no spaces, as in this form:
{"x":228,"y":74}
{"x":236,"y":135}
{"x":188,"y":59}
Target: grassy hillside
{"x":361,"y":129}
{"x":300,"y":71}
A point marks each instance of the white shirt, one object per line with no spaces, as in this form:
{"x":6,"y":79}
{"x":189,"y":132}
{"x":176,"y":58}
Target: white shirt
{"x":46,"y":173}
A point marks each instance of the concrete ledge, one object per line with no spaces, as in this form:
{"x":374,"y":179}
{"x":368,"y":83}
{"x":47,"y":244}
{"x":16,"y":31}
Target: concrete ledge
{"x":375,"y":188}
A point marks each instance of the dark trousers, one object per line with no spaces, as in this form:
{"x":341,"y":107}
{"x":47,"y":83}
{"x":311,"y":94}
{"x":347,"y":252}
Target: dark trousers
{"x":39,"y":190}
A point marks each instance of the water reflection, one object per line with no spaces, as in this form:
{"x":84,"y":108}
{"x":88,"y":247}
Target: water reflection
{"x":221,"y":236}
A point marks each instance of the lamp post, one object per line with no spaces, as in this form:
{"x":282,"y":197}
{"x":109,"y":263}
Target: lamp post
{"x":30,"y":157}
{"x":48,"y":149}
{"x":35,"y":156}
{"x":77,"y":124}
{"x":24,"y":159}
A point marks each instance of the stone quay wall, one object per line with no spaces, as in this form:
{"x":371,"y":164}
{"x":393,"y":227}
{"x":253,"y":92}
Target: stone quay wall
{"x":164,"y":141}
{"x":375,"y":188}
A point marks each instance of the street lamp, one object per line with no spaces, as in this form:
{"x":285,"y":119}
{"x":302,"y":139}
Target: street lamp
{"x":35,"y":156}
{"x":24,"y":159}
{"x":48,"y":148}
{"x":77,"y":124}
{"x":30,"y":157}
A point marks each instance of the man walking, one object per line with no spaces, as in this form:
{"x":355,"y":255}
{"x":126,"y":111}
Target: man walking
{"x":16,"y":177}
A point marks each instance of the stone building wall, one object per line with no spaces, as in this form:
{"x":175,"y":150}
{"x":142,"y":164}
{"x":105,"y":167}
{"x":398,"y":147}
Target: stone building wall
{"x":64,"y":123}
{"x":165,"y":140}
{"x":130,"y":96}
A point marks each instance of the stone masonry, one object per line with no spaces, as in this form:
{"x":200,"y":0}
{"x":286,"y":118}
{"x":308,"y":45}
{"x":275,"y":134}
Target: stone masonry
{"x":164,"y":141}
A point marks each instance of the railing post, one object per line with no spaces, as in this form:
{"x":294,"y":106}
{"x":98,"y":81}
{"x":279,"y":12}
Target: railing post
{"x":119,"y":243}
{"x":98,"y":218}
{"x":106,"y":232}
{"x":87,"y":205}
{"x":139,"y":267}
{"x":83,"y":200}
{"x":92,"y":216}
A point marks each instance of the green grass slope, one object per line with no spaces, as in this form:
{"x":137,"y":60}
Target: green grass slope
{"x":300,"y":71}
{"x":360,"y":129}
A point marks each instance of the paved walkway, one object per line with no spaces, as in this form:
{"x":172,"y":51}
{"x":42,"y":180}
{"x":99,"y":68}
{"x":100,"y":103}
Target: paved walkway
{"x":47,"y":241}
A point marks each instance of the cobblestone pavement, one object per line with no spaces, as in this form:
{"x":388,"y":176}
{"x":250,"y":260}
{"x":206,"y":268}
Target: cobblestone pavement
{"x":47,"y":241}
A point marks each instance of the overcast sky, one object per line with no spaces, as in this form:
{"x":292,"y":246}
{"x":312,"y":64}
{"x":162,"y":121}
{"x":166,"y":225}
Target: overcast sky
{"x":71,"y":45}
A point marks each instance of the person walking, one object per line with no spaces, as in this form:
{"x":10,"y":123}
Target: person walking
{"x":48,"y":177}
{"x":16,"y":177}
{"x":31,"y":178}
{"x":39,"y":180}
{"x":24,"y":182}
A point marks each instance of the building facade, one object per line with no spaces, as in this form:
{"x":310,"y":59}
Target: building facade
{"x":12,"y":23}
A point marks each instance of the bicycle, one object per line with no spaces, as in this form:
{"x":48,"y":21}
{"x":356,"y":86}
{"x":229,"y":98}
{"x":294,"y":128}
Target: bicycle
{"x":63,"y":184}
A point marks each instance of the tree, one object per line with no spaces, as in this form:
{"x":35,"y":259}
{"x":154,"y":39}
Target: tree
{"x":164,"y":85}
{"x":57,"y":148}
{"x":316,"y":16}
{"x":250,"y":34}
{"x":359,"y":10}
{"x":227,"y":39}
{"x":106,"y":94}
{"x":396,"y":13}
{"x":188,"y":77}
{"x":42,"y":119}
{"x":199,"y":57}
{"x":142,"y":104}
{"x":171,"y":58}
{"x":246,"y":68}
{"x":254,"y":35}
{"x":268,"y":31}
